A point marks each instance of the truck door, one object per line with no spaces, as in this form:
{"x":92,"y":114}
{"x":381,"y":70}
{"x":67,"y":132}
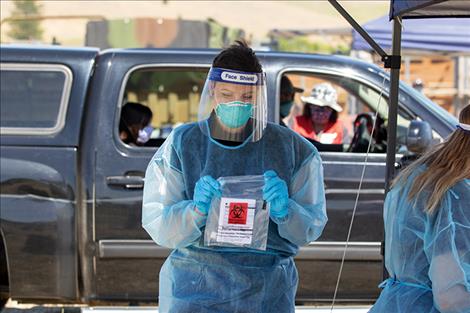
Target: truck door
{"x":319,"y":262}
{"x":43,"y":94}
{"x":125,"y":261}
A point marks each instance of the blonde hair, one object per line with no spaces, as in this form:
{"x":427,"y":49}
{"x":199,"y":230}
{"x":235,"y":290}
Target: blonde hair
{"x":446,"y":164}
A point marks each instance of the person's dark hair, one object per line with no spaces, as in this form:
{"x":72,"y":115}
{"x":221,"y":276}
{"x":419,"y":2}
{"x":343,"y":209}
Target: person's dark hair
{"x":239,"y":56}
{"x":134,"y":115}
{"x":306,"y":113}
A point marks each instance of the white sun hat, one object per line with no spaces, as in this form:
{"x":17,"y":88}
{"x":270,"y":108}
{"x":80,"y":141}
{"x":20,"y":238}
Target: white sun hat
{"x":323,"y":95}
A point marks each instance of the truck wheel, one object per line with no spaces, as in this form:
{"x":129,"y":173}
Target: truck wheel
{"x":4,"y":287}
{"x":3,"y":298}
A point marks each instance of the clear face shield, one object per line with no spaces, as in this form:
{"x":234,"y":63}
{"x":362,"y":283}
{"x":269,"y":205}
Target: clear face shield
{"x":233,"y":105}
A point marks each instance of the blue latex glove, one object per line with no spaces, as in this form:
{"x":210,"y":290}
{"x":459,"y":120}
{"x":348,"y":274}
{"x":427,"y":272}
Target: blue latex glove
{"x":206,"y":188}
{"x":276,"y":194}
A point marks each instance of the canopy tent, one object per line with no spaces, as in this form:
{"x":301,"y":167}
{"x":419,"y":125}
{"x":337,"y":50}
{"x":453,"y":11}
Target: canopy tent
{"x":428,"y":8}
{"x":442,"y":35}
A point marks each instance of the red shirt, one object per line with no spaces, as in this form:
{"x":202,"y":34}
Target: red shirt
{"x":332,"y":134}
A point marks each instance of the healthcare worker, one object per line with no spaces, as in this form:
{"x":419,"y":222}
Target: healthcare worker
{"x":427,"y":226}
{"x":232,"y":138}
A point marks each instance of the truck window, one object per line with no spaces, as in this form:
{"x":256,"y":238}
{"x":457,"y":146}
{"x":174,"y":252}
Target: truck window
{"x":171,"y":94}
{"x":34,"y":98}
{"x":358,"y":104}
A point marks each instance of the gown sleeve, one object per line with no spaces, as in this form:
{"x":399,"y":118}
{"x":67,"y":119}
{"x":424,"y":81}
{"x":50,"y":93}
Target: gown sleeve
{"x":168,"y":216}
{"x":306,"y":216}
{"x":447,"y":246}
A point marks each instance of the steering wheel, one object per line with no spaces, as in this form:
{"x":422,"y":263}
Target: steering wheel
{"x":363,"y":125}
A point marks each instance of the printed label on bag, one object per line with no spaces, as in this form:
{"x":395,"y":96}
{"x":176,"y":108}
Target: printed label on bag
{"x":236,"y":220}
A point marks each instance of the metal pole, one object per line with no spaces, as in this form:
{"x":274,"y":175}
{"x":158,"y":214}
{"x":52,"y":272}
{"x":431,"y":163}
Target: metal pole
{"x":393,"y":102}
{"x":392,"y":115}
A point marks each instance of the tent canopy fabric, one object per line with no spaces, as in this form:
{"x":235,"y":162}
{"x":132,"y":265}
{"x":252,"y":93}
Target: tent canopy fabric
{"x":429,"y":8}
{"x":443,"y":34}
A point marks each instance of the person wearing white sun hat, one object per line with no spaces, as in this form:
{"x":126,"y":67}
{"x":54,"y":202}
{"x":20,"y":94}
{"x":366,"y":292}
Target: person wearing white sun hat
{"x":319,"y":120}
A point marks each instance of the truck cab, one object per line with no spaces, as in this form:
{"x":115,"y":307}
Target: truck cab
{"x":71,"y":188}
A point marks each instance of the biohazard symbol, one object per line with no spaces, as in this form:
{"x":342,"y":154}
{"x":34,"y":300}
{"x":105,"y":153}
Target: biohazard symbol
{"x":238,"y":213}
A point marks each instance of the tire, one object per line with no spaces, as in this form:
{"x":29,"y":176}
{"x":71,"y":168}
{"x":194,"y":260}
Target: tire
{"x":4,"y":286}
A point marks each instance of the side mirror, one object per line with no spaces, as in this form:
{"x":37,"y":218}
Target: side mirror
{"x":419,"y":137}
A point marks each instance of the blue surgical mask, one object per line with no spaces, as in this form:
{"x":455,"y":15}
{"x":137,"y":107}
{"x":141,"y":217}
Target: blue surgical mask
{"x":144,"y":134}
{"x":285,"y":107}
{"x":234,"y":114}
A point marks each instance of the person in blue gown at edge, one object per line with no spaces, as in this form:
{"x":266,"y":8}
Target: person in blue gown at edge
{"x":232,"y":138}
{"x":427,"y":227}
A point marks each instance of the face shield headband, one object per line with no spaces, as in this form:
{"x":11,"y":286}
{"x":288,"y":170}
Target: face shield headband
{"x":236,"y":77}
{"x":464,"y":127}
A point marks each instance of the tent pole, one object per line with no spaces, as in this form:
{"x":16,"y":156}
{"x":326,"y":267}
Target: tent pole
{"x":392,"y":116}
{"x":393,"y":101}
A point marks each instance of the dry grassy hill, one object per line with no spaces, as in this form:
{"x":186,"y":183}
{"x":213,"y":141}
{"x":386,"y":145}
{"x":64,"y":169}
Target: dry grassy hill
{"x":255,"y":17}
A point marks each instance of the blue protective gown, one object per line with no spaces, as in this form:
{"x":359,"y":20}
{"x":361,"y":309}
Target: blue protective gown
{"x":196,"y":278}
{"x":427,"y":256}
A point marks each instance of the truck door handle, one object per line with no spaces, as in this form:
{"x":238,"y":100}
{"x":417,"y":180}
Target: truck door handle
{"x":127,"y":181}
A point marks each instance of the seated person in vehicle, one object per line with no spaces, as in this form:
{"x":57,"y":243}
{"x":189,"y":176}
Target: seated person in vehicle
{"x":134,"y":126}
{"x":319,"y":121}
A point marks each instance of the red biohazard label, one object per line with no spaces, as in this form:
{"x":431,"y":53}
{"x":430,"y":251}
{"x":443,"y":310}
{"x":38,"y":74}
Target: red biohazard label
{"x":238,"y":213}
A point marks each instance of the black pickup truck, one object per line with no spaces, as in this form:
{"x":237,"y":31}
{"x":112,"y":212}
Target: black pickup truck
{"x":71,"y":189}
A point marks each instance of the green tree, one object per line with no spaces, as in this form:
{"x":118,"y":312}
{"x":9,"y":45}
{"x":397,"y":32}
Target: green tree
{"x":25,"y":29}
